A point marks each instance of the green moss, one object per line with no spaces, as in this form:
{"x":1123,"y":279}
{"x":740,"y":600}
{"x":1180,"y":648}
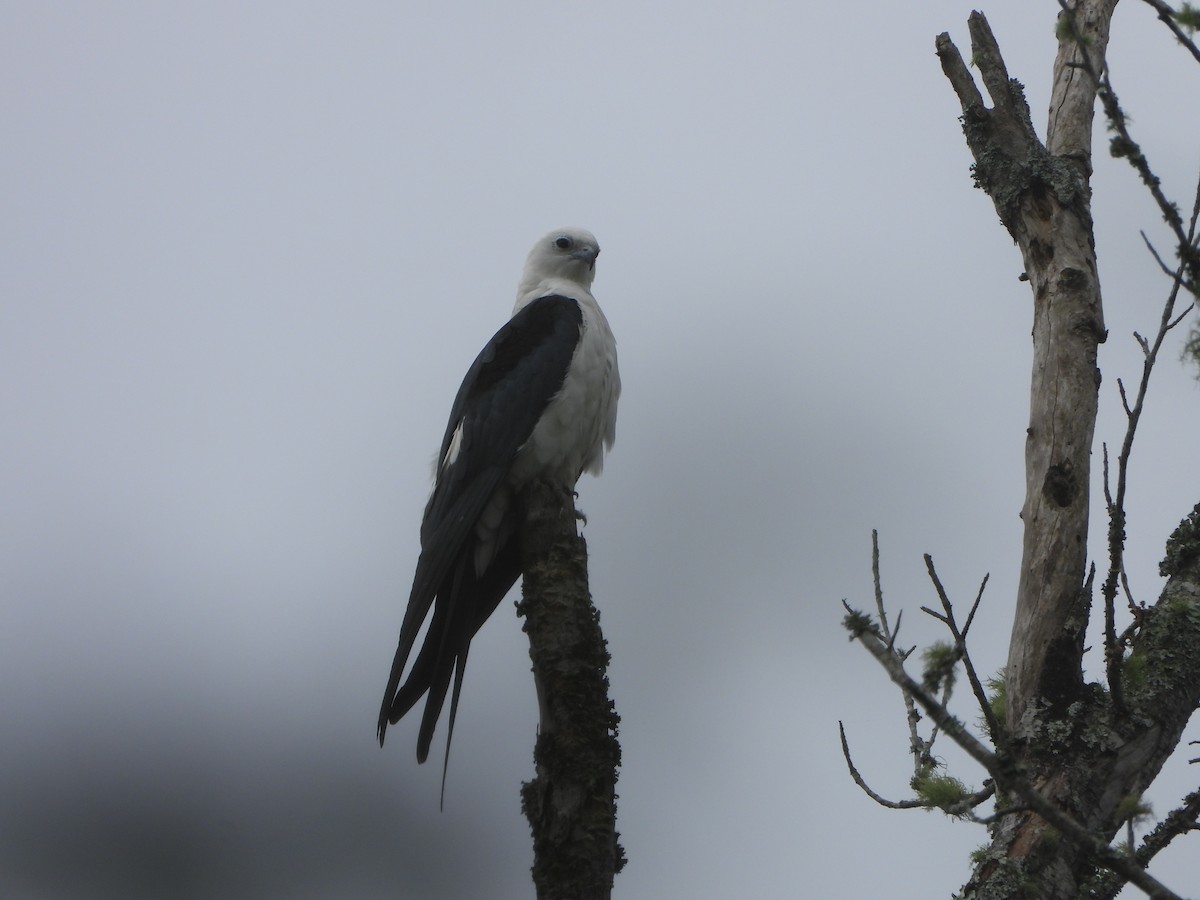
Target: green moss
{"x":1065,"y":28}
{"x":1168,"y":649}
{"x":1120,"y":147}
{"x":941,"y":792}
{"x":859,"y":623}
{"x":980,"y":854}
{"x":998,"y":698}
{"x":1188,"y":16}
{"x":940,"y":659}
{"x":1191,"y":350}
{"x":1133,"y":807}
{"x":1134,"y":671}
{"x":1183,"y":546}
{"x":1012,"y":169}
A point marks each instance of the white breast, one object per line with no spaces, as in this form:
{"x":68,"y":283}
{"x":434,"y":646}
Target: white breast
{"x":580,"y":421}
{"x":570,"y":438}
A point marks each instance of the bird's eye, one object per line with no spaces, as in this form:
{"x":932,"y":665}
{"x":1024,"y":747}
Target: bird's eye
{"x":563,"y":243}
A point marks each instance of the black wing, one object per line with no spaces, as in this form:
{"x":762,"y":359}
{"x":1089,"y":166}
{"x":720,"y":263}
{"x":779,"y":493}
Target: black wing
{"x":500,"y":401}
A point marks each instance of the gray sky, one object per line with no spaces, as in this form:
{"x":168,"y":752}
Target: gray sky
{"x":248,"y":255}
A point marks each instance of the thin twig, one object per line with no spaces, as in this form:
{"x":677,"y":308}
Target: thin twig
{"x":1183,"y":315}
{"x":975,"y":605}
{"x":920,"y":748}
{"x":963,"y":809}
{"x":960,"y":644}
{"x":861,"y":782}
{"x":1166,"y":270}
{"x":1121,"y":387}
{"x":1008,"y":776}
{"x":1167,"y":14}
{"x":1132,"y":605}
{"x":1114,"y":649}
{"x":1124,"y":145}
{"x":1179,"y":821}
{"x":879,"y":607}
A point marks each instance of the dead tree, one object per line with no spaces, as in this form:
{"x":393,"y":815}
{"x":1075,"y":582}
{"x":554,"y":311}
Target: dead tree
{"x":1067,"y":760}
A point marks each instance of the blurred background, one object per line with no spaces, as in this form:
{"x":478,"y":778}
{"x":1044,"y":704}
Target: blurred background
{"x":248,"y":252}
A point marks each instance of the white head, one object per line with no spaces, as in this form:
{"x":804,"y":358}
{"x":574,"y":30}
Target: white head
{"x":565,"y":254}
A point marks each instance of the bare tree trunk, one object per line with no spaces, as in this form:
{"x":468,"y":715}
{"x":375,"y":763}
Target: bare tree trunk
{"x":1054,"y":232}
{"x":571,"y":803}
{"x":1043,"y":196}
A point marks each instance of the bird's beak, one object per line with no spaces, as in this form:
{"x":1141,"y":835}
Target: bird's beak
{"x":587,"y":254}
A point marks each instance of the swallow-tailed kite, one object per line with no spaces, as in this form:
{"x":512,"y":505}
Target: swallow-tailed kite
{"x":540,"y":401}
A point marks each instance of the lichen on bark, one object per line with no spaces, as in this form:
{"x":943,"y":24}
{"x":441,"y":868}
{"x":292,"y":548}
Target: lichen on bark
{"x":571,"y":801}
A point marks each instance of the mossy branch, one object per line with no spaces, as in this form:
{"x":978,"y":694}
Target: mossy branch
{"x":571,"y":803}
{"x":1010,"y":779}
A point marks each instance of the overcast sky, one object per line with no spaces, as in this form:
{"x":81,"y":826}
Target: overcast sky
{"x":248,"y":252}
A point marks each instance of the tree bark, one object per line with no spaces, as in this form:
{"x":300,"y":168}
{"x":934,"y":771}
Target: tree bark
{"x":1046,"y":649}
{"x":571,"y":803}
{"x":1086,"y":754}
{"x":1044,"y":200}
{"x":1094,"y":761}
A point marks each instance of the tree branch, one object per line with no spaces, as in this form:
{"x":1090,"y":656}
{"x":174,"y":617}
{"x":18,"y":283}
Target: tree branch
{"x":571,"y":803}
{"x":960,"y":643}
{"x":1122,"y":145}
{"x":1007,"y":774}
{"x":961,"y":808}
{"x":1179,"y":821}
{"x":1114,"y":648}
{"x":1170,"y":17}
{"x":861,"y":782}
{"x":1041,"y":193}
{"x":918,"y":746}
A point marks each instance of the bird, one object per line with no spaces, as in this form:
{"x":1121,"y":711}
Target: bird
{"x":539,"y":401}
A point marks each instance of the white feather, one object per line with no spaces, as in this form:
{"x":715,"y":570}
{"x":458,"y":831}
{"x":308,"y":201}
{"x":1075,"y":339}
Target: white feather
{"x":580,"y":421}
